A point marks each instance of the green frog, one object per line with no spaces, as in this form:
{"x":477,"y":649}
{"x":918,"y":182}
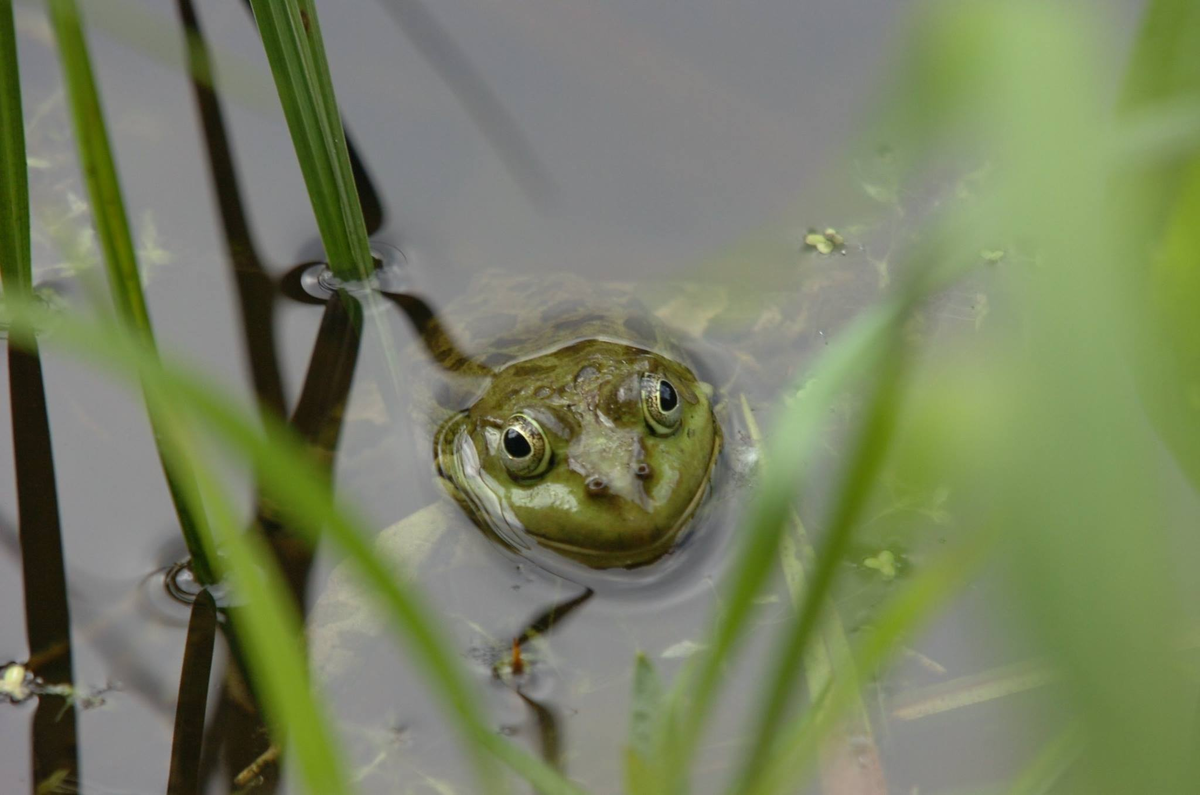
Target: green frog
{"x":580,"y":426}
{"x":565,"y":419}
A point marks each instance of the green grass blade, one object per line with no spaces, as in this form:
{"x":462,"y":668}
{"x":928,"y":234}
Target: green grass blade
{"x":1091,"y":545}
{"x":99,"y":168}
{"x":15,"y":266}
{"x":1050,"y":764}
{"x":865,"y":772}
{"x":1171,"y":364}
{"x":863,"y":466}
{"x":544,"y":778}
{"x":1166,"y":57}
{"x":289,"y":476}
{"x":693,"y":693}
{"x":793,"y":755}
{"x":116,"y":241}
{"x":267,"y":623}
{"x":643,"y":775}
{"x":1164,"y":71}
{"x":291,"y":37}
{"x":861,"y":348}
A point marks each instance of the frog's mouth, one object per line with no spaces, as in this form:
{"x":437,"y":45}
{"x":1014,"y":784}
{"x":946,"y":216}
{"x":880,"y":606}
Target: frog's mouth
{"x":640,"y":556}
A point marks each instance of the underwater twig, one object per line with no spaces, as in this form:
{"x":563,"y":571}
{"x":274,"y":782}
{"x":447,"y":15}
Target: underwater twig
{"x":255,"y":768}
{"x":974,"y":689}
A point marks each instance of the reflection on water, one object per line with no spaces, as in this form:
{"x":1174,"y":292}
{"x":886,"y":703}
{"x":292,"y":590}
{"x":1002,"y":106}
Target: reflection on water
{"x":664,"y":138}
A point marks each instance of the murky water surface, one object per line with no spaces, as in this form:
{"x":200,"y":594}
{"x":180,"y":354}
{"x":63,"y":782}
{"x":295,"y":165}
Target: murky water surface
{"x":634,"y":141}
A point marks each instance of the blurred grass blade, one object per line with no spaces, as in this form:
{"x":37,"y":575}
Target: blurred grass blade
{"x":1163,"y":133}
{"x":862,"y":348}
{"x":862,"y":467}
{"x":1088,"y":536}
{"x":1170,"y":366}
{"x":848,"y":765}
{"x":291,"y":37}
{"x":1165,"y":63}
{"x":643,"y":774}
{"x":693,"y":692}
{"x":545,"y":779}
{"x":850,"y":757}
{"x":269,"y":630}
{"x":116,"y":241}
{"x":931,"y":589}
{"x":290,"y":477}
{"x":1164,"y":72}
{"x":1050,"y":764}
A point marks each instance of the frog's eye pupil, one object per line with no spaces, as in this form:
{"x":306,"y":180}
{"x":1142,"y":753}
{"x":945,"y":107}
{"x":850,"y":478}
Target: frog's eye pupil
{"x":660,"y":404}
{"x":526,"y":450}
{"x":515,"y":444}
{"x":666,"y":396}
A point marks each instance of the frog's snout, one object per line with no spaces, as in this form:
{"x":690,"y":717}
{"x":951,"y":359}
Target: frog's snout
{"x":598,"y":485}
{"x":621,"y":483}
{"x":628,"y":485}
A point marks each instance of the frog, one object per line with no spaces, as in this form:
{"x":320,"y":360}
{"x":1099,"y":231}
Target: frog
{"x":579,"y":428}
{"x":561,"y":417}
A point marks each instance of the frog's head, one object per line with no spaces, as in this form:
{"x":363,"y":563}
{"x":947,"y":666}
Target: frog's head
{"x":599,"y":450}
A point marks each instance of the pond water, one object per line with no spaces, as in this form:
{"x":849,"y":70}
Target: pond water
{"x":624,"y":142}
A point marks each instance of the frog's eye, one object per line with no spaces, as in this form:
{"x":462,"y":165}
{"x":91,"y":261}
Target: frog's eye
{"x":524,"y":449}
{"x":660,"y":404}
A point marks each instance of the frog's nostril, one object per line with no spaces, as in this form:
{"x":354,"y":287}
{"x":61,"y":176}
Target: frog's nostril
{"x":597,"y":485}
{"x":642,"y":470}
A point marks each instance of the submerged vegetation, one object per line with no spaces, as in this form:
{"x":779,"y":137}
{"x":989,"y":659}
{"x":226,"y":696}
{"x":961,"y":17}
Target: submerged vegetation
{"x":1055,"y":450}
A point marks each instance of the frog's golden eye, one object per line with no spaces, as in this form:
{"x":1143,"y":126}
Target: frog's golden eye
{"x":524,"y":448}
{"x":661,"y":405}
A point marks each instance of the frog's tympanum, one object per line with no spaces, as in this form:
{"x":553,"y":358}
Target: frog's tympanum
{"x":585,"y":433}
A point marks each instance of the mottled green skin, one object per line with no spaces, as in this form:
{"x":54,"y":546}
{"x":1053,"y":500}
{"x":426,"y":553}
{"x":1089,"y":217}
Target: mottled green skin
{"x":573,"y":360}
